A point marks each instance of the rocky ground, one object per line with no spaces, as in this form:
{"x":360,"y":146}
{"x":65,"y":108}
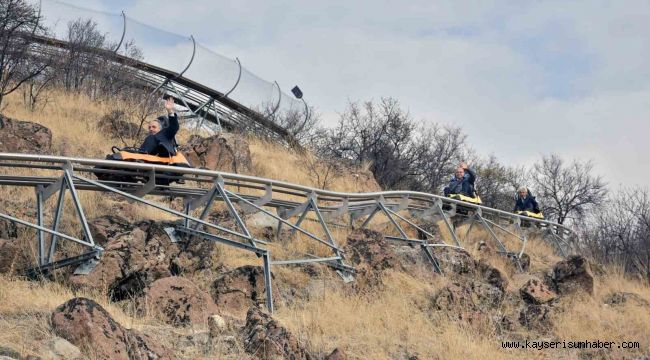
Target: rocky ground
{"x":151,"y":298}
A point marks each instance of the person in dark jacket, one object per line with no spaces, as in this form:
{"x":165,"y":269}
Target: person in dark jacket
{"x":526,"y":201}
{"x":162,"y":141}
{"x":462,"y":182}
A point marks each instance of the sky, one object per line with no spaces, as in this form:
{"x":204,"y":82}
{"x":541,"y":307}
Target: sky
{"x":522,"y":78}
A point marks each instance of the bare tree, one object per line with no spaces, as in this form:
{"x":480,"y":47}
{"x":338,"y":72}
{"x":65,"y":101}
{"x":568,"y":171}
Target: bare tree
{"x":18,"y":60}
{"x":620,"y":232}
{"x":567,"y":190}
{"x":497,"y":183}
{"x":441,"y":149}
{"x":35,"y":88}
{"x":323,"y":171}
{"x":81,"y":61}
{"x":380,"y":134}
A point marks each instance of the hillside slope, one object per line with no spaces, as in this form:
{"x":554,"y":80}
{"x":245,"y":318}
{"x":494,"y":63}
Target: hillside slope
{"x":396,"y":309}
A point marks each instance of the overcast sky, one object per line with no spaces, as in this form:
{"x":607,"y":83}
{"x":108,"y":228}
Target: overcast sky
{"x":523,"y":78}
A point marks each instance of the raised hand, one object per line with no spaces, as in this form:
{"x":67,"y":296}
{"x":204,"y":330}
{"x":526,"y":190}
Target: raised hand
{"x":462,"y":165}
{"x":169,"y":105}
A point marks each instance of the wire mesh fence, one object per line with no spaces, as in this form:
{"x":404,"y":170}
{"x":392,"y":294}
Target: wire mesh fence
{"x":181,"y":55}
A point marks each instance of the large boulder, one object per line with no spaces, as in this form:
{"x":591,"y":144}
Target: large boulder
{"x":137,"y":254}
{"x":265,"y":338}
{"x":337,"y":354}
{"x":177,"y":301}
{"x":237,"y":290}
{"x":535,"y":291}
{"x":469,"y":300}
{"x":89,"y":326}
{"x":454,"y":261}
{"x":24,"y":137}
{"x":224,"y":152}
{"x":477,"y":288}
{"x":371,"y":255}
{"x":536,"y":317}
{"x":572,"y":275}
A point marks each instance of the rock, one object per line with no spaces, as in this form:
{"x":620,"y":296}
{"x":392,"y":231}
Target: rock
{"x":86,"y":324}
{"x":113,"y":125}
{"x":109,"y":227}
{"x":454,"y":261}
{"x":59,"y":349}
{"x":571,"y":275}
{"x":524,"y":261}
{"x":24,"y":137}
{"x":619,"y":298}
{"x":15,"y":256}
{"x":9,"y":353}
{"x":265,"y":338}
{"x":337,"y":354}
{"x":491,"y":275}
{"x":468,"y":300}
{"x":217,"y":325}
{"x":137,"y":254}
{"x":225,"y":152}
{"x":536,"y":317}
{"x":239,"y":289}
{"x":536,"y":292}
{"x":177,"y":301}
{"x":369,"y":252}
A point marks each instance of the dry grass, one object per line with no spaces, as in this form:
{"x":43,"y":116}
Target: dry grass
{"x":395,"y":321}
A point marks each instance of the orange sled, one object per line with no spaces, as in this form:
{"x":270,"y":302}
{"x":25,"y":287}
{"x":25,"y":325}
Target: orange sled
{"x":133,"y":176}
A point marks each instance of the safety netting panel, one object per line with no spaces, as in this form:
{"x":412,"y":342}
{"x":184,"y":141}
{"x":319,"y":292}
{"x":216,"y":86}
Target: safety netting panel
{"x":255,"y":93}
{"x":213,"y":70}
{"x":160,"y":48}
{"x":179,"y":54}
{"x":61,"y":19}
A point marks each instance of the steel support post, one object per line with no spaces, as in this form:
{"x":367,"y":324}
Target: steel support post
{"x":451,"y":229}
{"x":219,"y":184}
{"x":328,"y":234}
{"x":160,"y":207}
{"x":300,"y":220}
{"x":281,"y":220}
{"x":432,"y":259}
{"x":491,"y":232}
{"x":469,"y":229}
{"x":186,"y":219}
{"x":77,"y":204}
{"x":267,"y":281}
{"x":57,"y":218}
{"x":395,"y":224}
{"x":39,"y":219}
{"x":372,"y":214}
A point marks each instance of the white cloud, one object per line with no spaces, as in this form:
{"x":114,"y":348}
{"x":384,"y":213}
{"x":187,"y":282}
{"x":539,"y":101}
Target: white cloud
{"x":522,"y":78}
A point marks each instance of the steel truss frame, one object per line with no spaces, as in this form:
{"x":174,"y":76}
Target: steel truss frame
{"x":400,"y":208}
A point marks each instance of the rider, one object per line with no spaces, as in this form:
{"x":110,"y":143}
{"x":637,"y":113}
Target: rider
{"x":462,"y":182}
{"x":526,"y":201}
{"x":161,"y":141}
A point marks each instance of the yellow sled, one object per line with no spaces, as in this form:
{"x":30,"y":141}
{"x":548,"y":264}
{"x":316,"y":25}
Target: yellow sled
{"x":473,"y":200}
{"x":538,"y":215}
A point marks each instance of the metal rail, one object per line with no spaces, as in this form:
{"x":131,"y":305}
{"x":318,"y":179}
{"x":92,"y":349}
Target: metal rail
{"x":188,"y":92}
{"x":405,"y":213}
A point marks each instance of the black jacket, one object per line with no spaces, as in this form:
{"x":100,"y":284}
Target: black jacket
{"x":464,"y":186}
{"x":527,"y":204}
{"x":163,"y":143}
